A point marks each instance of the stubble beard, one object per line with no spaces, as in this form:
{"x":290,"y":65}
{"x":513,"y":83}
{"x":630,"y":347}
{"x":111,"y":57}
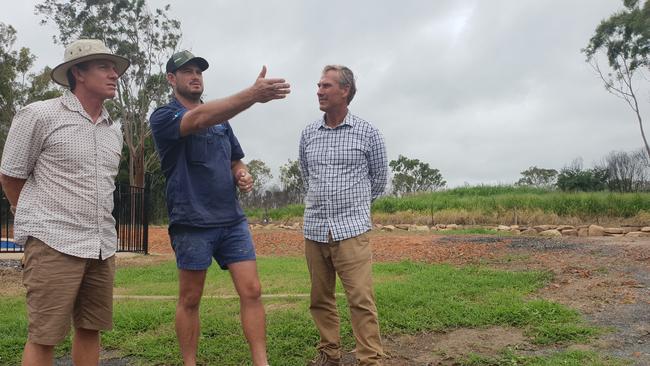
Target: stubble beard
{"x":192,"y":96}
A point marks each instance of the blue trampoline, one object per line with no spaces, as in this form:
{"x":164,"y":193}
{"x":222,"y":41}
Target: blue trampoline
{"x":9,"y":245}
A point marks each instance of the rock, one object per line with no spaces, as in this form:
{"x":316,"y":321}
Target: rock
{"x":530,"y":232}
{"x":422,"y":228}
{"x":541,"y":228}
{"x":402,"y":226}
{"x":453,"y":227}
{"x":614,"y":230}
{"x":565,"y":227}
{"x":551,"y":232}
{"x":615,"y":235}
{"x":516,"y":232}
{"x":629,"y":229}
{"x":388,"y":228}
{"x":569,"y":232}
{"x":595,"y":230}
{"x":635,"y":234}
{"x":514,"y":227}
{"x":583,"y":231}
{"x":503,"y":228}
{"x":646,"y":229}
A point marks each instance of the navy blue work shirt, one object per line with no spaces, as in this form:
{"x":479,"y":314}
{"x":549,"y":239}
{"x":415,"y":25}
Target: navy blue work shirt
{"x":200,"y":187}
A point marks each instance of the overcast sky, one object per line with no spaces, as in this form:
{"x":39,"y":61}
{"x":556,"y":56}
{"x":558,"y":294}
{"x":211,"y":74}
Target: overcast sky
{"x":480,"y":90}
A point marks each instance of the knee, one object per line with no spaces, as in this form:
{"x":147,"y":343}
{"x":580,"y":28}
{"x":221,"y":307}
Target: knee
{"x":251,"y":292}
{"x":189,"y":302}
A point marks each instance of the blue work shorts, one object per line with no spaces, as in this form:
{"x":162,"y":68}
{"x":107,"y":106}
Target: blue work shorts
{"x":196,"y":246}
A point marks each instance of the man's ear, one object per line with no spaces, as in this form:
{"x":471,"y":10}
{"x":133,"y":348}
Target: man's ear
{"x":76,"y":72}
{"x":346,"y":91}
{"x":171,"y":78}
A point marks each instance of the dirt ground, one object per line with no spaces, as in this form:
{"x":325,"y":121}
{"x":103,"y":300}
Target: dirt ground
{"x":607,"y":279}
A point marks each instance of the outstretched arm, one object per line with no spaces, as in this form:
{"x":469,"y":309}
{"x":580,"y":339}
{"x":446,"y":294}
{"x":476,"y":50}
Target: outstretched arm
{"x":220,"y":110}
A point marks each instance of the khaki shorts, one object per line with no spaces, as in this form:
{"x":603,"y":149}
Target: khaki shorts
{"x":61,"y":288}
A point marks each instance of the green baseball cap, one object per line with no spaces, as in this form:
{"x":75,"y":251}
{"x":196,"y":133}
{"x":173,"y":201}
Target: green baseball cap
{"x":181,"y":58}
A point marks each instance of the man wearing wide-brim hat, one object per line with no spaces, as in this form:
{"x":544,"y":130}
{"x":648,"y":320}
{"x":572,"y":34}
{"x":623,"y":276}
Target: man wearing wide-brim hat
{"x":58,"y":172}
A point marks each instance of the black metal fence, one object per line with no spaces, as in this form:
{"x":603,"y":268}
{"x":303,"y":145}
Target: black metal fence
{"x":130,"y":212}
{"x":7,"y":244}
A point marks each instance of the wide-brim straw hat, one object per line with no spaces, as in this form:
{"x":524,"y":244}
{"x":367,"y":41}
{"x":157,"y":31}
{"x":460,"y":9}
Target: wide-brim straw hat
{"x":86,"y":50}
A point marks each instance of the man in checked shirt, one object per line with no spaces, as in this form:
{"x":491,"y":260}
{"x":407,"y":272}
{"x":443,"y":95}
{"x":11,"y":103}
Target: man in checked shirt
{"x":344,"y":168}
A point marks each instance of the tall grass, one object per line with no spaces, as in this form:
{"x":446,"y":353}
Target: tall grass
{"x":504,"y":204}
{"x":508,"y":198}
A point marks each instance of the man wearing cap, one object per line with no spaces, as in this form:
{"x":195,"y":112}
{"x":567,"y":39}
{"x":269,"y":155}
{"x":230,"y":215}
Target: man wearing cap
{"x":58,"y":172}
{"x":344,"y":167}
{"x":201,"y":159}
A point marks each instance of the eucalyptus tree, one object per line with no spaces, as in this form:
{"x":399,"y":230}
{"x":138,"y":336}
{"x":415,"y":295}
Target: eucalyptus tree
{"x":147,"y":38}
{"x":18,"y":86}
{"x":413,"y":175}
{"x":624,"y":40}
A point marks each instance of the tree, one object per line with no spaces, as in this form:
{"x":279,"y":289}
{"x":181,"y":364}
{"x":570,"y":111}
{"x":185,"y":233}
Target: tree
{"x":147,"y":38}
{"x":538,"y":177}
{"x":291,"y":181}
{"x":412,"y":175}
{"x":261,"y":177}
{"x":624,"y":38}
{"x":18,"y":87}
{"x":261,"y":174}
{"x":574,"y":178}
{"x":626,"y":172}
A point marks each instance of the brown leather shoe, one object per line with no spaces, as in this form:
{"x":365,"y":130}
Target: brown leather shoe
{"x":324,"y":360}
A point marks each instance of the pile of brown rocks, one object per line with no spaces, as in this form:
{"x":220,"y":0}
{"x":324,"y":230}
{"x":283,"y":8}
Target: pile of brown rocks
{"x":541,"y":230}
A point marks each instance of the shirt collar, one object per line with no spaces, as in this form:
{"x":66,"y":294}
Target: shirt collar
{"x":70,"y":101}
{"x":347,"y":121}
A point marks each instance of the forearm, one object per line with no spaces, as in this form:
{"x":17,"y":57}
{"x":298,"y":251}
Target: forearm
{"x":216,"y":111}
{"x":236,"y":166}
{"x":12,"y":188}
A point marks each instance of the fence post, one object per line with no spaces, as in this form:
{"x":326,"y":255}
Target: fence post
{"x":145,"y":213}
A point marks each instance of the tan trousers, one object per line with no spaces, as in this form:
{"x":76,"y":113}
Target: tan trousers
{"x":352,"y":260}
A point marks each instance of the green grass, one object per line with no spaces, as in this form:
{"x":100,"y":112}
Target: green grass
{"x":411,"y":298}
{"x":499,"y":200}
{"x":508,"y":198}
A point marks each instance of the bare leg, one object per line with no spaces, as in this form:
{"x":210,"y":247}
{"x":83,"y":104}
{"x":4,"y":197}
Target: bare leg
{"x":38,"y":354}
{"x":85,"y":347}
{"x":247,"y":284}
{"x":187,"y":313}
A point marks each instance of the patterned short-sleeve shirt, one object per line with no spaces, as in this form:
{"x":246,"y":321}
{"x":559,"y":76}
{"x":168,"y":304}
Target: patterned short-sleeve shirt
{"x":70,"y":165}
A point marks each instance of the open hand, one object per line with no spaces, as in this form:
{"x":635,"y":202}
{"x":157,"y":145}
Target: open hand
{"x":268,"y":89}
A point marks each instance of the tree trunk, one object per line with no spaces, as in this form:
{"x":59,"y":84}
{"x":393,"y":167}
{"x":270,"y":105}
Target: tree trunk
{"x":138,"y":166}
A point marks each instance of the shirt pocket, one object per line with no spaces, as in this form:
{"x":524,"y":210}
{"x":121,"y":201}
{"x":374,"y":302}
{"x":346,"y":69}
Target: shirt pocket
{"x":351,"y":152}
{"x":197,"y":147}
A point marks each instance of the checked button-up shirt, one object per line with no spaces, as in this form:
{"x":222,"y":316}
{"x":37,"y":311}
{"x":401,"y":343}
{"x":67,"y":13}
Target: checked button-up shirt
{"x":344,"y":169}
